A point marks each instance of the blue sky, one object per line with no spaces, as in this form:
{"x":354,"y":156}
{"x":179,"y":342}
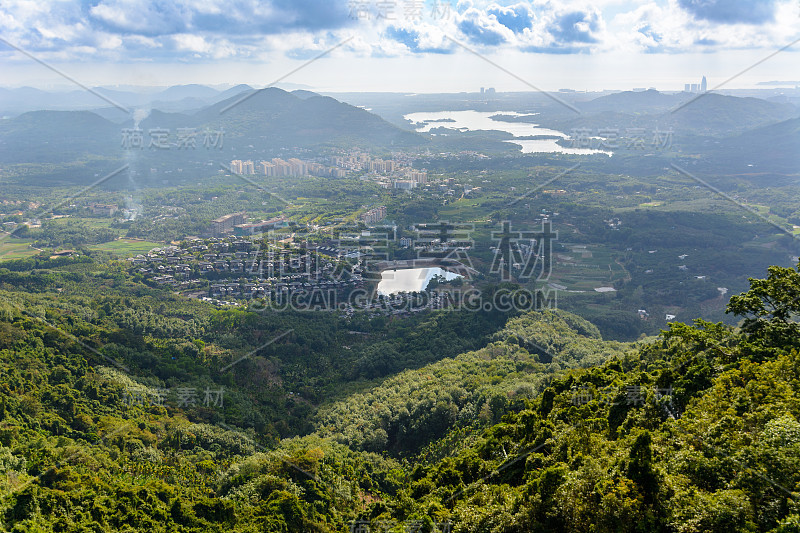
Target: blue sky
{"x":402,"y":45}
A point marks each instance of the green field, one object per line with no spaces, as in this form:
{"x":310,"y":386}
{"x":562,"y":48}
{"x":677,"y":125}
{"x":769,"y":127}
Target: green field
{"x":465,"y":209}
{"x":11,"y":248}
{"x":127,"y":246}
{"x":89,"y":221}
{"x":586,"y":267}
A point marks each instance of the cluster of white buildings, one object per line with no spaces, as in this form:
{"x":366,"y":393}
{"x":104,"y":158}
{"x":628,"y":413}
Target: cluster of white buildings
{"x":395,"y":174}
{"x":279,"y":167}
{"x":374,"y":215}
{"x":405,"y":177}
{"x":411,"y":179}
{"x":362,"y":161}
{"x":418,"y":177}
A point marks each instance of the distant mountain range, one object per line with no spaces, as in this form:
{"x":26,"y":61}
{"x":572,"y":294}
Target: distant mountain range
{"x":688,"y":114}
{"x":716,"y":133}
{"x":249,"y":124}
{"x":176,"y":98}
{"x":734,"y":134}
{"x":633,"y":102}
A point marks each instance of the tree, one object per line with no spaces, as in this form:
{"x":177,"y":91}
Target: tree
{"x":769,"y":308}
{"x":640,"y":467}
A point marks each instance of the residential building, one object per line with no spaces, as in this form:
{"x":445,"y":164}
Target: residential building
{"x":266,"y":168}
{"x":259,"y":227}
{"x":418,"y":177}
{"x":404,"y":185}
{"x":374,"y":215}
{"x":298,"y":167}
{"x":103,"y":209}
{"x":225,"y":224}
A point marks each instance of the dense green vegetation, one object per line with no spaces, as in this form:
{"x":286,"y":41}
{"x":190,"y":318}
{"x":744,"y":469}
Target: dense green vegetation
{"x":175,"y":341}
{"x":131,"y":405}
{"x":701,"y":242}
{"x":70,"y":234}
{"x":486,"y":423}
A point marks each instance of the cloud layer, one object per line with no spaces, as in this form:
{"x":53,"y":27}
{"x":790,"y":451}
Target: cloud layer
{"x":188,"y":30}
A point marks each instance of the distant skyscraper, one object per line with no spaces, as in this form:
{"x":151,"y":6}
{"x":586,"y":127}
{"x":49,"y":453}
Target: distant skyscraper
{"x":687,"y":87}
{"x":703,"y":85}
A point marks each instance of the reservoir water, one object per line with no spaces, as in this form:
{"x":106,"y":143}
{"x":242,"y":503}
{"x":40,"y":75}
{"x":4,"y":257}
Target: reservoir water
{"x":471,"y":120}
{"x":410,"y":279}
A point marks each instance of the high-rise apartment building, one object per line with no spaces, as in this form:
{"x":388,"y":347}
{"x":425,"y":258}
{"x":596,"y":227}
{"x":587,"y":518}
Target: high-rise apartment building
{"x":298,"y":167}
{"x":418,"y":177}
{"x":374,"y":215}
{"x":224,"y":224}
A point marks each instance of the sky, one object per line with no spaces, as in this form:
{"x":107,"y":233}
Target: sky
{"x":400,"y":45}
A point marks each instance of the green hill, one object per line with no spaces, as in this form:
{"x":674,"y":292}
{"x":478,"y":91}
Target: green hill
{"x":413,"y":408}
{"x":546,"y":428}
{"x":273,"y":117}
{"x":254,"y":123}
{"x":57,"y":137}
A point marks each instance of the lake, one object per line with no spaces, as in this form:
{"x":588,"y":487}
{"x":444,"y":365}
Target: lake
{"x":410,"y":279}
{"x":471,"y":120}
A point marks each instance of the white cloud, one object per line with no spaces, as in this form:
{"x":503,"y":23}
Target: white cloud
{"x":251,"y":30}
{"x":191,"y":43}
{"x":109,"y":42}
{"x":670,"y":28}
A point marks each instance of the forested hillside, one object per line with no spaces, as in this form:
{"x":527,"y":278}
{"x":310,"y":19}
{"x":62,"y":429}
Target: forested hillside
{"x":535,"y":425}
